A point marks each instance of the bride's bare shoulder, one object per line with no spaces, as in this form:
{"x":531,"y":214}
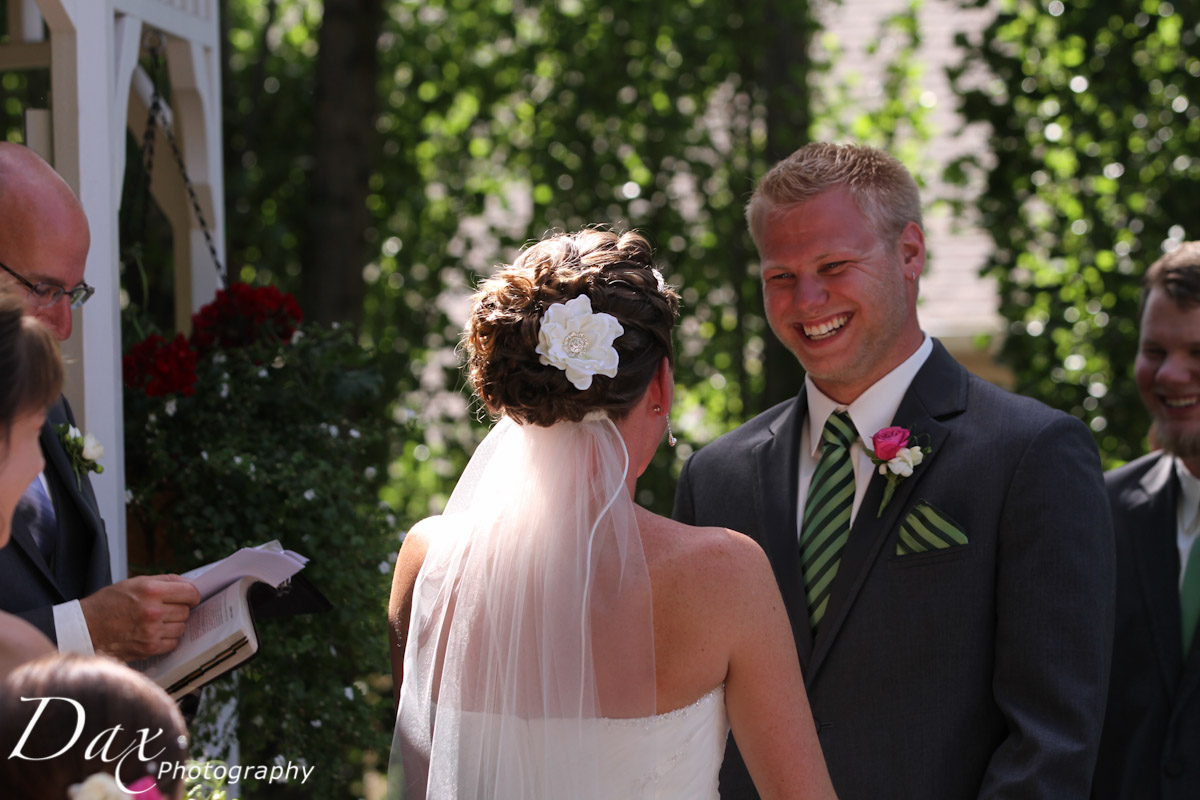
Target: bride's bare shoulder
{"x":429,"y":528}
{"x":718,"y":553}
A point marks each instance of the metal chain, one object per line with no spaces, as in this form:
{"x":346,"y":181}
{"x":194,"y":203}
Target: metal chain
{"x":157,"y":114}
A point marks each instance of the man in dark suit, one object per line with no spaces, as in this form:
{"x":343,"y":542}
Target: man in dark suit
{"x":55,"y":572}
{"x":954,"y":630}
{"x":1150,"y":748}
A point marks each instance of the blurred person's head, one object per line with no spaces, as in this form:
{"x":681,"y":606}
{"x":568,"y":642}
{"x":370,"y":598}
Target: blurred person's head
{"x":1167,"y":367}
{"x":32,"y":378}
{"x":44,"y":238}
{"x":64,"y":718}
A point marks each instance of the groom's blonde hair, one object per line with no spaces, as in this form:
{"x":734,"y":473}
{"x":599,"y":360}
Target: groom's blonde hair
{"x":880,"y":186}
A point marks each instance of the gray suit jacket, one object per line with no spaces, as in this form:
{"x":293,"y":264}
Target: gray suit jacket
{"x":974,"y":671}
{"x":29,"y":586}
{"x":1150,"y":749}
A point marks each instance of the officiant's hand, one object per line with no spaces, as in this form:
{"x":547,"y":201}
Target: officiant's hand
{"x":139,"y":617}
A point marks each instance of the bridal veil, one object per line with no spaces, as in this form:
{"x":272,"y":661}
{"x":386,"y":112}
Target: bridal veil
{"x":531,"y":622}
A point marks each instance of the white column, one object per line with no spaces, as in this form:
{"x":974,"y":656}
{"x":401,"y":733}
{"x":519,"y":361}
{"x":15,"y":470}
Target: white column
{"x":195,"y":91}
{"x":88,"y":135}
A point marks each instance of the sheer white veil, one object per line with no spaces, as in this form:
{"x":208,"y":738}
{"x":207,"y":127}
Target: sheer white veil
{"x":531,"y":622}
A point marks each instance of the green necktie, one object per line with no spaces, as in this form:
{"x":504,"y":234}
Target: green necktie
{"x":1189,"y":598}
{"x":827,"y":513}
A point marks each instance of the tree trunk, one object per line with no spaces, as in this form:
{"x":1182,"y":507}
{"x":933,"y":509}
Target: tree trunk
{"x":789,"y":117}
{"x":343,"y":145}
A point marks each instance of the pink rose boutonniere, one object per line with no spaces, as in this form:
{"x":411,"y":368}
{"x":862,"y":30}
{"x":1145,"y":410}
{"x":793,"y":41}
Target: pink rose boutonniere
{"x":897,"y":452}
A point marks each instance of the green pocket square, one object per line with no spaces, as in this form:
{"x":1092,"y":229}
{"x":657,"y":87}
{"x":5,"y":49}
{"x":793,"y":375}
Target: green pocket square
{"x":925,"y":529}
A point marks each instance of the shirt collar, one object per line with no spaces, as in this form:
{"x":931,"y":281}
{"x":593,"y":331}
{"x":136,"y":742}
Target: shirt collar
{"x":875,"y":408}
{"x":1189,"y":496}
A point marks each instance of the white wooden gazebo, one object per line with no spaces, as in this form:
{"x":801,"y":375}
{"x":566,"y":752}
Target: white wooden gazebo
{"x":97,"y":88}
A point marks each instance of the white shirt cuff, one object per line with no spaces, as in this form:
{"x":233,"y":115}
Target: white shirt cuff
{"x":71,"y":629}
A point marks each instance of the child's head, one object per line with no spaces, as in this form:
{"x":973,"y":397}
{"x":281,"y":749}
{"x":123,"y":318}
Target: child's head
{"x":66,"y":717}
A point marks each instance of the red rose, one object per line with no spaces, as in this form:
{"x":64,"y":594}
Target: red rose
{"x":159,"y":367}
{"x":890,"y":441}
{"x":242,"y":314}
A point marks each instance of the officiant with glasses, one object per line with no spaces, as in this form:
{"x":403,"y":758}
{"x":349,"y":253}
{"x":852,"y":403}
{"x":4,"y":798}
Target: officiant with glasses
{"x":56,"y":573}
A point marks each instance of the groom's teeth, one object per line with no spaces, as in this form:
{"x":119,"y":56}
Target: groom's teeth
{"x":1180,"y":402}
{"x":825,"y":329}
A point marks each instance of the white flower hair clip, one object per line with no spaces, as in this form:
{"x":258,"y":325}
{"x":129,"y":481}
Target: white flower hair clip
{"x":579,"y":342}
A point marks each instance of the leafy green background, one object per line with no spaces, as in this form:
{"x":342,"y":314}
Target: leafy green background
{"x":492,"y":122}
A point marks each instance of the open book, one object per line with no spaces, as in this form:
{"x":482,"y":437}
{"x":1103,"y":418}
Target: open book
{"x":220,"y":632}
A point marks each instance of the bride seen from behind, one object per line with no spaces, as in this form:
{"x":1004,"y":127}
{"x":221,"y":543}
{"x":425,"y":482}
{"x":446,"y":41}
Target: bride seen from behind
{"x":550,"y":638}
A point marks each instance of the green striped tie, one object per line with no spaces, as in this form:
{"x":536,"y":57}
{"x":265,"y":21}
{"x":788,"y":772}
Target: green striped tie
{"x":827,"y":513}
{"x":1189,"y":598}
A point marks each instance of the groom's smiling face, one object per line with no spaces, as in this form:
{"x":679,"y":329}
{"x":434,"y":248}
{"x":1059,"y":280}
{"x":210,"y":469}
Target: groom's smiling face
{"x":1168,"y":372}
{"x":838,"y":294}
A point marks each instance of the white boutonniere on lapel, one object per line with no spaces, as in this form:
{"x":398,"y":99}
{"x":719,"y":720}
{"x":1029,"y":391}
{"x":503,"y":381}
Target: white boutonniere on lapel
{"x":82,"y":451}
{"x":897,"y":452}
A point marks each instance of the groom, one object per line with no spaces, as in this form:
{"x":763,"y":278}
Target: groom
{"x":955,"y":631}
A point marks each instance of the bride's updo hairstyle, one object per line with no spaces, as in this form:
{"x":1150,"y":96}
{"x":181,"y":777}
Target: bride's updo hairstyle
{"x":616,"y":272}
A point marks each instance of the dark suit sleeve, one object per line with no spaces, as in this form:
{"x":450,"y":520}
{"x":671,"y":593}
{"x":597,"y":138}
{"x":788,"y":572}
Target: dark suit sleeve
{"x":1055,"y":601}
{"x":24,"y":590}
{"x":685,"y":509}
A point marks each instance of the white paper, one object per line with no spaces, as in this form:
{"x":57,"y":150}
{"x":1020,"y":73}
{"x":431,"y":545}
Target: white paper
{"x":269,"y":563}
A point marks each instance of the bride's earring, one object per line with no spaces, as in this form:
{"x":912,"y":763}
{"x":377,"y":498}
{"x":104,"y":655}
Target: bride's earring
{"x":671,"y":440}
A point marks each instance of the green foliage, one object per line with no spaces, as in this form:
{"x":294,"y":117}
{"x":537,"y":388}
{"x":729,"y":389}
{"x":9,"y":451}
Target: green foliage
{"x":1095,"y":110}
{"x":899,"y":123}
{"x":499,"y":122}
{"x":278,"y":442}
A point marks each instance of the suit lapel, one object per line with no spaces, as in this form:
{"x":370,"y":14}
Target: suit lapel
{"x":777,"y":462}
{"x":57,"y":460}
{"x":939,"y":390}
{"x":1155,"y":499}
{"x":22,"y":539}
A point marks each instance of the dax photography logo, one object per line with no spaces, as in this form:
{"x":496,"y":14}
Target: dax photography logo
{"x":103,"y":746}
{"x":116,"y":744}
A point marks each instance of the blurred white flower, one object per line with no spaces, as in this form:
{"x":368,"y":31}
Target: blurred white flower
{"x":98,"y":786}
{"x":92,"y":449}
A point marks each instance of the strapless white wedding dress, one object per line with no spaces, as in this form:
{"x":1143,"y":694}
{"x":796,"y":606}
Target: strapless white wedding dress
{"x":688,"y":745}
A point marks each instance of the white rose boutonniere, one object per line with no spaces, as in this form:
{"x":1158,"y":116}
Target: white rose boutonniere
{"x":82,"y":451}
{"x":579,"y":342}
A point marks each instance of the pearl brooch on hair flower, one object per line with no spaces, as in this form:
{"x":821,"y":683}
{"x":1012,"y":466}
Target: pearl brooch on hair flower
{"x":579,"y":342}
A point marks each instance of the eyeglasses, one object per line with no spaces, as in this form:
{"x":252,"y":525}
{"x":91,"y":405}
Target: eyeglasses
{"x":44,"y":295}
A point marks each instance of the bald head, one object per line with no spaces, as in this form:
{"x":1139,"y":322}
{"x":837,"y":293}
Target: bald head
{"x":44,"y":234}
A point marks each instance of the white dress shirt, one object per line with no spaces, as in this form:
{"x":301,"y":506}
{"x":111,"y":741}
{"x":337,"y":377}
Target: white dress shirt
{"x":1187,"y":527}
{"x":872,"y":410}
